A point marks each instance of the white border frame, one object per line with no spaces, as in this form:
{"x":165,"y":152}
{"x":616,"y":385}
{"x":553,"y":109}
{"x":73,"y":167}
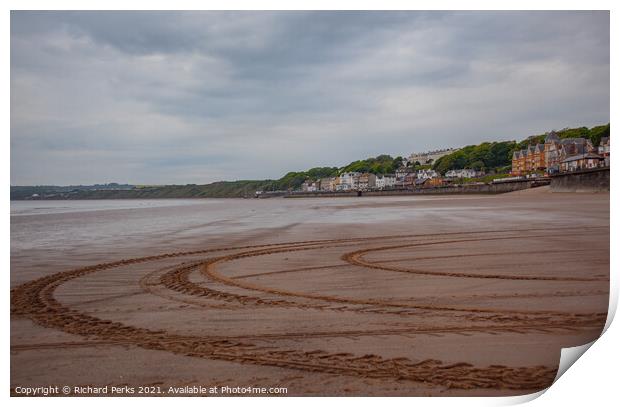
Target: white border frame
{"x":591,"y":381}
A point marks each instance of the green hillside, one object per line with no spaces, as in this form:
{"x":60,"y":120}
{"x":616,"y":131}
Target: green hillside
{"x":483,"y":156}
{"x":382,"y":164}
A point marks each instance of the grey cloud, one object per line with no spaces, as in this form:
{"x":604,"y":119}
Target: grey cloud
{"x":151,"y":97}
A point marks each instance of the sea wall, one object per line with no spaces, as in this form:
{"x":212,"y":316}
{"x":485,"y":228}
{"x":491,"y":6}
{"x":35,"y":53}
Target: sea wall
{"x":595,"y":180}
{"x":491,"y":188}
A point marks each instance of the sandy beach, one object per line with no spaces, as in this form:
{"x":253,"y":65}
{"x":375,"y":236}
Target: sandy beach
{"x":398,"y":296}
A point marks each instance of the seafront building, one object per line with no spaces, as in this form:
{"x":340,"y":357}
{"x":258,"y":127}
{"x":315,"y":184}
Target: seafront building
{"x":409,"y":180}
{"x":309,"y":186}
{"x":581,"y":162}
{"x":348,"y":181}
{"x":386,"y":181}
{"x":404,"y":178}
{"x":463,"y":173}
{"x":401,"y":174}
{"x":560,"y":155}
{"x":426,"y":174}
{"x":351,"y":181}
{"x":429,"y":182}
{"x":327,"y":184}
{"x":366,"y":181}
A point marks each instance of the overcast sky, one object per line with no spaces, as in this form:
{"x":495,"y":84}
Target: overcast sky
{"x":196,"y":97}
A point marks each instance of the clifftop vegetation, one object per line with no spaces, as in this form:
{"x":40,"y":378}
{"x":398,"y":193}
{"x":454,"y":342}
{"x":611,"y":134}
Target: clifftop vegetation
{"x":483,"y":156}
{"x":382,"y":164}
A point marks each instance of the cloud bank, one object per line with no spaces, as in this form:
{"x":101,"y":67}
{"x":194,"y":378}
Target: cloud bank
{"x":196,"y":97}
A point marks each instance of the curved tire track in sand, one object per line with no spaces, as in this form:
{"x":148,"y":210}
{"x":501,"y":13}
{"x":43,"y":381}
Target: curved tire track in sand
{"x":209,"y":270}
{"x":177,"y":280}
{"x":35,"y":299}
{"x":357,"y":258}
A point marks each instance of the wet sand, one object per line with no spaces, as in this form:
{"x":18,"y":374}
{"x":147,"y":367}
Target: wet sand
{"x":408,"y":296}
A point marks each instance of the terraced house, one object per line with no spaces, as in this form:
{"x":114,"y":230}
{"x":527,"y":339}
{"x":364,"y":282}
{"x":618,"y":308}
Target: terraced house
{"x":366,"y":181}
{"x":386,"y":181}
{"x":555,"y":155}
{"x":528,"y":160}
{"x":348,"y":181}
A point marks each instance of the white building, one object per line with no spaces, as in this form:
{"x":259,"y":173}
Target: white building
{"x":463,"y":173}
{"x":343,"y":187}
{"x":349,"y":180}
{"x":366,"y":181}
{"x":385,"y":181}
{"x":426,"y":174}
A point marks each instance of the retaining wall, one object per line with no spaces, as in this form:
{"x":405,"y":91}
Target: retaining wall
{"x":595,"y":180}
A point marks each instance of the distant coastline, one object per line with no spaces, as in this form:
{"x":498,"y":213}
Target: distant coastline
{"x":494,"y":157}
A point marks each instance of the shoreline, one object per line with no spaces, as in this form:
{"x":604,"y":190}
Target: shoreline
{"x":592,"y":180}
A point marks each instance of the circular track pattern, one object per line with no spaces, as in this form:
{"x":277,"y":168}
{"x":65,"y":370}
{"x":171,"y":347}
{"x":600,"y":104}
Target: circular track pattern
{"x":201,"y":283}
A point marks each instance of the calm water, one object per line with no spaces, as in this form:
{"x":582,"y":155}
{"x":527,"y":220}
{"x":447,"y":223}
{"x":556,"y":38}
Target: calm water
{"x":66,"y":224}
